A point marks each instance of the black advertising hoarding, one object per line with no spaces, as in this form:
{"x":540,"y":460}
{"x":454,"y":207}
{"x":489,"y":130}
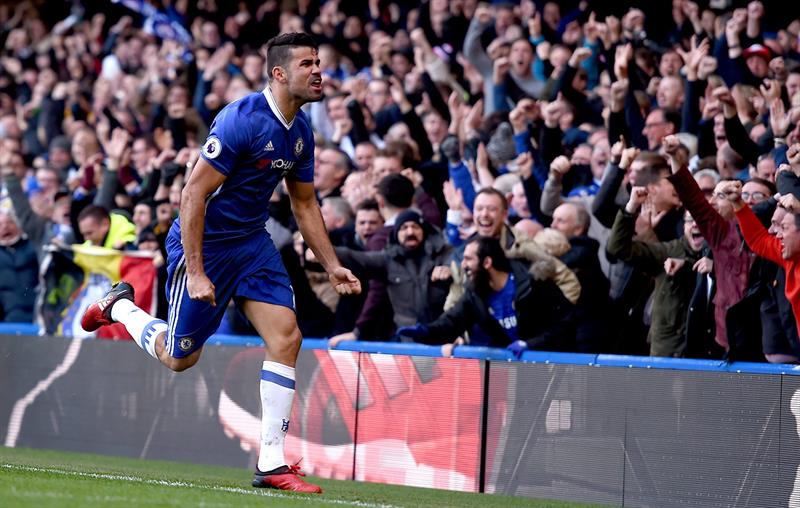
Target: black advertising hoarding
{"x":645,"y":437}
{"x":622,"y":436}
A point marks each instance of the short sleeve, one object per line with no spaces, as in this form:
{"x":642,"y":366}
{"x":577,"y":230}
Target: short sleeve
{"x":226,"y":142}
{"x":305,"y":160}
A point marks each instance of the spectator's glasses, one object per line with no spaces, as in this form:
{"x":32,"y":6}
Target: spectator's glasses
{"x":723,"y":195}
{"x":755,"y":196}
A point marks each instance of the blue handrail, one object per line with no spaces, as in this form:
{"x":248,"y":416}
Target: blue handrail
{"x":493,"y":354}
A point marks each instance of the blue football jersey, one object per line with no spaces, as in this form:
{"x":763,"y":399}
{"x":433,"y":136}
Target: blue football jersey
{"x":253,"y":145}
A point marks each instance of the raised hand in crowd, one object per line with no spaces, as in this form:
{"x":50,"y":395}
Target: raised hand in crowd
{"x":525,"y":112}
{"x":708,"y":64}
{"x":649,"y":218}
{"x":637,"y":198}
{"x":535,"y":25}
{"x":472,"y":122}
{"x":524,"y":165}
{"x":453,"y":196}
{"x":500,"y":70}
{"x":617,"y":94}
{"x":711,"y":108}
{"x":627,"y":157}
{"x":559,"y":167}
{"x":117,"y":149}
{"x":579,"y":56}
{"x":770,"y":90}
{"x":218,"y":61}
{"x":485,"y":176}
{"x":622,"y":57}
{"x":733,"y":28}
{"x":692,"y":58}
{"x":671,"y":145}
{"x":552,"y":112}
{"x":779,"y":120}
{"x":692,"y":12}
{"x":732,"y":191}
{"x":789,"y":202}
{"x":755,"y":11}
{"x":455,"y":106}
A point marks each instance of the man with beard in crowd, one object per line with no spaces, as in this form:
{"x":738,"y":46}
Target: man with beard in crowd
{"x":413,"y":267}
{"x":505,"y":302}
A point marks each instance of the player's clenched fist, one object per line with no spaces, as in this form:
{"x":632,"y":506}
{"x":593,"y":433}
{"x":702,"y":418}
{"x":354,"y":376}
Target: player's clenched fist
{"x":201,"y":288}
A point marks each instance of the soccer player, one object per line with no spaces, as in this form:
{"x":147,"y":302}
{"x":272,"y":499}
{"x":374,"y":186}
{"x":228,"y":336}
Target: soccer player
{"x":218,"y":249}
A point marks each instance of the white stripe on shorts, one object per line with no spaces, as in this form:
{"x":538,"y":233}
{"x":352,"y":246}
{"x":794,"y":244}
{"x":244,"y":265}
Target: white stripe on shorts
{"x":175,"y":298}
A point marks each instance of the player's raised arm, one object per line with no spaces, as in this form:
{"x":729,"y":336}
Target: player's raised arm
{"x":309,"y":219}
{"x":203,"y":181}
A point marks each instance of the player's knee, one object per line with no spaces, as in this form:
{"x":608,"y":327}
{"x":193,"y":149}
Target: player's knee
{"x":288,"y":342}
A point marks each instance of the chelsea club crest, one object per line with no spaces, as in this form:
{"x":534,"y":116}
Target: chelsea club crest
{"x":186,"y":343}
{"x":298,"y":147}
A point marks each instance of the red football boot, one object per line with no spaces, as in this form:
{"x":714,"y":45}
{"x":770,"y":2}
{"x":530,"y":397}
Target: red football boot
{"x":285,"y":478}
{"x":99,"y":313}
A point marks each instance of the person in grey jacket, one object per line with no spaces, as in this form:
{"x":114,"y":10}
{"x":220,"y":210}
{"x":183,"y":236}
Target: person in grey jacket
{"x":414,"y":266}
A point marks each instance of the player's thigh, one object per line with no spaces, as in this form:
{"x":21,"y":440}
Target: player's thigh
{"x":267,"y":299}
{"x":190,"y":322}
{"x":276,"y":324}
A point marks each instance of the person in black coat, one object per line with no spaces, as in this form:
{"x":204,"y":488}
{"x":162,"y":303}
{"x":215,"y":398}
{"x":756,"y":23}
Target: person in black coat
{"x":19,"y":272}
{"x":505,"y":303}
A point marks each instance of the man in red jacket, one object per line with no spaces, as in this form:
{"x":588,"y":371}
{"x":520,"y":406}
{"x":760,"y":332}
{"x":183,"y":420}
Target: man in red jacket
{"x":717,"y":224}
{"x":782,"y":249}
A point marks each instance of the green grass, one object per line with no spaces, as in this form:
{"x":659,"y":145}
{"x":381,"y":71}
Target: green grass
{"x":60,"y":479}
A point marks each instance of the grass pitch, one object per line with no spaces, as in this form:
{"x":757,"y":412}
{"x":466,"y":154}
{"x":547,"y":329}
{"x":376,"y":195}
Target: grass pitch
{"x":44,"y":478}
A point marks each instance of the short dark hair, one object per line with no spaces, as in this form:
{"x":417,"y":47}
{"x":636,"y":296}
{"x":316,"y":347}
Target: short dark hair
{"x":766,"y":183}
{"x":674,"y":117}
{"x":489,"y":247}
{"x":397,"y":190}
{"x":95,"y":212}
{"x":655,"y":168}
{"x":279,"y":48}
{"x":494,"y":192}
{"x":368,"y":204}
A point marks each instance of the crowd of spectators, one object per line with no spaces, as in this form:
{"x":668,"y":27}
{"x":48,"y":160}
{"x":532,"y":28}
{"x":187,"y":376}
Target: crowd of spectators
{"x":554,"y":175}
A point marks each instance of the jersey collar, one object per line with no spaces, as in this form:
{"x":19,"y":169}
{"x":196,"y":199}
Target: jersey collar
{"x":275,"y":109}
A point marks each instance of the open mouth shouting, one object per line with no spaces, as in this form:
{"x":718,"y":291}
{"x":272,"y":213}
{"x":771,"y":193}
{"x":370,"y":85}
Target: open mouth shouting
{"x":316,"y":84}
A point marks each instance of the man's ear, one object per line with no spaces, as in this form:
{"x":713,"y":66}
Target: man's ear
{"x":487,"y":263}
{"x":279,"y":74}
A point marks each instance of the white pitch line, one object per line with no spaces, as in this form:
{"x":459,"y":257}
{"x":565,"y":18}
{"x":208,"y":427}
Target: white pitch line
{"x":217,"y":488}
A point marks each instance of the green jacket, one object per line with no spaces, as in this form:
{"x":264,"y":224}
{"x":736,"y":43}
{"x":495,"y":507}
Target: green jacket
{"x":120,"y":231}
{"x":671,"y":295}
